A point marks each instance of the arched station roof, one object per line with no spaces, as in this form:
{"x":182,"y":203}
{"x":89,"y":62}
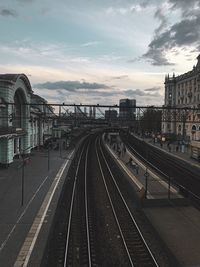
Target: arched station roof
{"x":14,"y":77}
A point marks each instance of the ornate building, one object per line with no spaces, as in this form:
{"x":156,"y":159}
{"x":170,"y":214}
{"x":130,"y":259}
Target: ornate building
{"x":23,"y":124}
{"x":183,"y":91}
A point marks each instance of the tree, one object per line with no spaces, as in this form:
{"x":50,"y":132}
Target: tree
{"x":150,"y":121}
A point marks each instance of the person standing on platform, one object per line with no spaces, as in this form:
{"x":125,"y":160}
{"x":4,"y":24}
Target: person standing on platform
{"x":137,"y":168}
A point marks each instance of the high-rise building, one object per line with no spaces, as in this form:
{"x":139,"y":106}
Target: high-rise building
{"x":127,"y":108}
{"x":110,"y":115}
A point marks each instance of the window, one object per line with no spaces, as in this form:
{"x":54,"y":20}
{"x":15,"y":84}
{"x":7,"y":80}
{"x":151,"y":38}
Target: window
{"x":15,"y":146}
{"x":194,"y":128}
{"x":1,"y":119}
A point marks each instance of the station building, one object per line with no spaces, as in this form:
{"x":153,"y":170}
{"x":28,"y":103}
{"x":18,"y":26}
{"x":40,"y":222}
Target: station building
{"x":23,"y":124}
{"x":183,"y":91}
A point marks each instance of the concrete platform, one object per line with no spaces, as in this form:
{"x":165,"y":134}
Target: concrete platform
{"x":148,"y":188}
{"x":20,"y":224}
{"x":179,"y":229}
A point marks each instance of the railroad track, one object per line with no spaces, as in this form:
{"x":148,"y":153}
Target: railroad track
{"x":181,"y":175}
{"x":137,"y":250}
{"x":79,"y":249}
{"x":93,"y":225}
{"x":70,"y":241}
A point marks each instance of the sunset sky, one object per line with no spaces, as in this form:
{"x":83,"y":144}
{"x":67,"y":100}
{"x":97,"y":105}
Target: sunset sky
{"x":98,"y":51}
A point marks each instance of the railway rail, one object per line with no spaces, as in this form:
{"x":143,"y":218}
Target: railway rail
{"x":138,"y":252}
{"x":93,"y":224}
{"x":71,"y":238}
{"x":79,"y":225}
{"x":180,"y":173}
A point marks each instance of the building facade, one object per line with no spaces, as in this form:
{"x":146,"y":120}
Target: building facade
{"x":21,"y":125}
{"x":183,"y":91}
{"x":111,"y":115}
{"x":42,"y":119}
{"x":127,"y":108}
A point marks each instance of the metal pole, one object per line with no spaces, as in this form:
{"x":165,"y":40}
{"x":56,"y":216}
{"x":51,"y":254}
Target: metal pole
{"x":48,"y":158}
{"x":22,"y":200}
{"x":60,"y":148}
{"x":169,"y":187}
{"x":146,"y":182}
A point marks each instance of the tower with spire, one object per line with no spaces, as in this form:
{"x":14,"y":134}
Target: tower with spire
{"x":198,"y":62}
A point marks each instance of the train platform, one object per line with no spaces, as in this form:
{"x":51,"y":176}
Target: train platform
{"x":177,"y":225}
{"x":147,"y":184}
{"x":25,"y":198}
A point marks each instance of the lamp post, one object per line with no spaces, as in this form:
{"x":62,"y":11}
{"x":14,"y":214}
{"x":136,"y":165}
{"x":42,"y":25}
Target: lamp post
{"x":146,"y":182}
{"x":22,"y":177}
{"x":184,"y":130}
{"x":48,"y":157}
{"x":22,"y":191}
{"x":60,"y":147}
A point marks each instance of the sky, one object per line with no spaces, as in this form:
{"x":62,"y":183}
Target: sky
{"x":99,"y":51}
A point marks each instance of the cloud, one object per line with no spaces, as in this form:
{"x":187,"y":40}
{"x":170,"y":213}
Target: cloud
{"x":187,"y":7}
{"x":185,"y":32}
{"x":70,"y":85}
{"x":153,"y":89}
{"x":123,"y":11}
{"x":90,"y":43}
{"x":120,"y":77}
{"x":8,"y":12}
{"x":141,"y":93}
{"x":160,"y":15}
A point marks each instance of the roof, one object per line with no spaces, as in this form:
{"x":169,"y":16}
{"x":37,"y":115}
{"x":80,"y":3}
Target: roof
{"x":9,"y":77}
{"x":38,"y":98}
{"x":14,"y":77}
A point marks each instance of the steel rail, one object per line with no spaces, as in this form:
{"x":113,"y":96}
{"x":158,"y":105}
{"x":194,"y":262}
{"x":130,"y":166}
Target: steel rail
{"x":86,"y":210}
{"x":127,"y":208}
{"x":147,"y":162}
{"x":71,"y":210}
{"x":165,"y":176}
{"x":113,"y":209}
